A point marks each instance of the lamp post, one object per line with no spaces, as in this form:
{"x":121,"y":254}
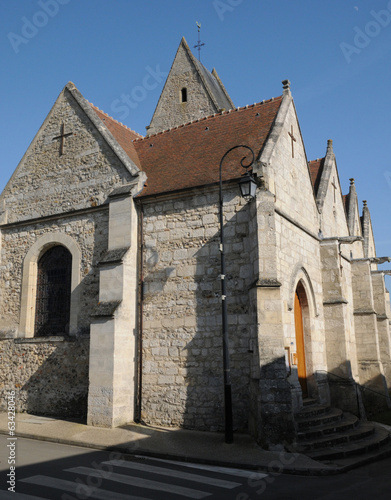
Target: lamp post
{"x":248,"y":187}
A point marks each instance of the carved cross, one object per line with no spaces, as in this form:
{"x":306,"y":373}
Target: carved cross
{"x":335,"y":189}
{"x":62,"y":137}
{"x":293,"y":139}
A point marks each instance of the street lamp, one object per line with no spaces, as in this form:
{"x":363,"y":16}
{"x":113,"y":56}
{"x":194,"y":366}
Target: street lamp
{"x":248,"y":187}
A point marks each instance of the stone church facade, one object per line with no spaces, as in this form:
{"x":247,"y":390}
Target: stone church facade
{"x":110,"y":302}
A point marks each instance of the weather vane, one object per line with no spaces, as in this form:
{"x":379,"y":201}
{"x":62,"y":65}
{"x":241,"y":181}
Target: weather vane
{"x":199,"y":44}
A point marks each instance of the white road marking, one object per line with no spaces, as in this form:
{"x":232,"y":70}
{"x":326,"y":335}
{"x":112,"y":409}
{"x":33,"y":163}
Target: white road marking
{"x":212,"y":468}
{"x":142,"y":483}
{"x":219,"y":483}
{"x":80,"y":490}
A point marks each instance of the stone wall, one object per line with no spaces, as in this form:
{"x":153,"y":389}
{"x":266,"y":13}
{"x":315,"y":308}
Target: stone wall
{"x":299,"y":261}
{"x":49,"y":378}
{"x":89,"y":231}
{"x":182,"y":381}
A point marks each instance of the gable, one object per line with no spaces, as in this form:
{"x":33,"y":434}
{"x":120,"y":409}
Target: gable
{"x":60,"y":174}
{"x":333,"y":213}
{"x":285,"y":167}
{"x":204,"y":93}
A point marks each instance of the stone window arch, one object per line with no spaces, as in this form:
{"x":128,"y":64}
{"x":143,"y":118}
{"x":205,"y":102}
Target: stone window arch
{"x":53,"y":295}
{"x":27,"y":324}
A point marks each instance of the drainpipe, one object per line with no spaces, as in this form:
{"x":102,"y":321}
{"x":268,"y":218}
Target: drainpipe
{"x":140,"y":312}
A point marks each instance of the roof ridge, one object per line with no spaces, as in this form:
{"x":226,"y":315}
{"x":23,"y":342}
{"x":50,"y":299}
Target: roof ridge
{"x":114,"y":120}
{"x":209,"y":117}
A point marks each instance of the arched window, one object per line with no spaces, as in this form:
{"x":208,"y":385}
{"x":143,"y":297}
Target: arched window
{"x":184,"y":94}
{"x":52,"y":311}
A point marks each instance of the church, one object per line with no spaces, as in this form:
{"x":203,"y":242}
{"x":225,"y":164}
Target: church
{"x":110,"y":268}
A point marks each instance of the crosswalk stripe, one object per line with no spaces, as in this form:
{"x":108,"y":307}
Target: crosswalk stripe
{"x":82,"y":491}
{"x":143,"y":483}
{"x":8,"y":495}
{"x":212,"y":468}
{"x":220,"y":483}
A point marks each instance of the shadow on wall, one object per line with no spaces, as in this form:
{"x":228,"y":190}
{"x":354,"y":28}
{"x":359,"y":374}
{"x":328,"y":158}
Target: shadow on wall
{"x":58,"y":387}
{"x":183,"y":365}
{"x":50,"y":377}
{"x":363,"y":400}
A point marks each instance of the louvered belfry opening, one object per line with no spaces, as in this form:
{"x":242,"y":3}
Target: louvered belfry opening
{"x":53,"y":302}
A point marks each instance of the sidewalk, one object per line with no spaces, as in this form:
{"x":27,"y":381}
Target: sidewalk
{"x":176,"y":444}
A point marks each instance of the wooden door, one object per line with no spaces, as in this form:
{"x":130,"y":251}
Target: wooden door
{"x":300,"y":351}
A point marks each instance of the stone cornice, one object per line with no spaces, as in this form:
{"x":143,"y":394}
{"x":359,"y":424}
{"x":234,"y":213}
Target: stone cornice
{"x":297,"y":224}
{"x":48,"y":218}
{"x":363,"y":312}
{"x":105,"y":309}
{"x":268,"y":283}
{"x":336,"y":301}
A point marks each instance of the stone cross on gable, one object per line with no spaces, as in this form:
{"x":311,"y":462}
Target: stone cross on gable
{"x":62,"y":137}
{"x":293,"y":139}
{"x":335,"y":189}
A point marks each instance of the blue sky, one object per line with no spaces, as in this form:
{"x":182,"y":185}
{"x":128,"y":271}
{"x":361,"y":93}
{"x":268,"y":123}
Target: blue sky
{"x":336,"y":53}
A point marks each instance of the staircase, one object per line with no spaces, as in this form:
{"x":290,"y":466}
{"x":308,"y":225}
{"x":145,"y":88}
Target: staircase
{"x":329,"y":435}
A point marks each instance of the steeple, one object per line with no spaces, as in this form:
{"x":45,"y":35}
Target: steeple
{"x":191,"y":92}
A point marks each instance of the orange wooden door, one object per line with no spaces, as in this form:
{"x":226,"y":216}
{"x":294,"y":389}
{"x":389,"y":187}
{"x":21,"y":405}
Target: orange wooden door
{"x":300,"y":351}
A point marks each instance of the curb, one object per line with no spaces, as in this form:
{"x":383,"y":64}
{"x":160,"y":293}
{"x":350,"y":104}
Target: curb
{"x":305,"y":471}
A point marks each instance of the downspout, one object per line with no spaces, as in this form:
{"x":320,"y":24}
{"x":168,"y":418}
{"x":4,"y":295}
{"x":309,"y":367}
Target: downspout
{"x":140,"y":312}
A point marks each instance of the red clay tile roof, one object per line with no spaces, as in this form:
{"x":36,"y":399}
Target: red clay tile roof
{"x":123,"y":135}
{"x":316,"y":168}
{"x":189,"y":155}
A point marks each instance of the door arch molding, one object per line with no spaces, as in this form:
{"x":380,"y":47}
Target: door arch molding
{"x":300,"y":274}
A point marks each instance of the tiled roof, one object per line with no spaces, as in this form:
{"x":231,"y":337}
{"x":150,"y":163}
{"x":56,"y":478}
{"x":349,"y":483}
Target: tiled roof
{"x":123,"y":135}
{"x":316,"y":168}
{"x":189,"y":155}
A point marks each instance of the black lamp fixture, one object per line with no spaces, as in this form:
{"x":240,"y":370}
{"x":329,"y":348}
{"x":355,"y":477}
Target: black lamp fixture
{"x":248,"y":188}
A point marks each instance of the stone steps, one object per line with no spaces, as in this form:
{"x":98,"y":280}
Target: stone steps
{"x":317,"y":417}
{"x":346,"y":423}
{"x":378,"y":439}
{"x":328,"y":434}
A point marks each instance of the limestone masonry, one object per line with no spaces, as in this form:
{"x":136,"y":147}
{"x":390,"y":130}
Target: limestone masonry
{"x":110,"y":286}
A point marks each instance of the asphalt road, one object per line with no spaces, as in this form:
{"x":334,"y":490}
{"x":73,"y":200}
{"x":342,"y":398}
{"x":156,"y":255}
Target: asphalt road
{"x":53,"y":471}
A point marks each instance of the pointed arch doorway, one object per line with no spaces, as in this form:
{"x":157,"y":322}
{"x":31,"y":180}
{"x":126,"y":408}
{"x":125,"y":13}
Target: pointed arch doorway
{"x":300,"y":344}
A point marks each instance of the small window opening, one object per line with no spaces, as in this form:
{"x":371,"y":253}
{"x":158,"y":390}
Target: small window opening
{"x":184,"y":94}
